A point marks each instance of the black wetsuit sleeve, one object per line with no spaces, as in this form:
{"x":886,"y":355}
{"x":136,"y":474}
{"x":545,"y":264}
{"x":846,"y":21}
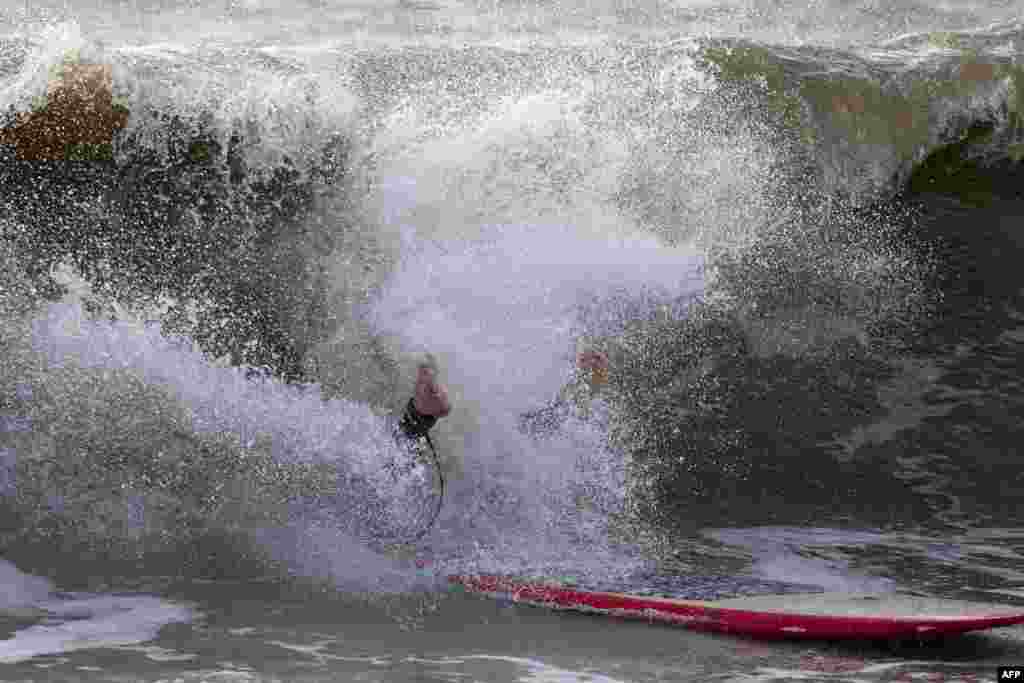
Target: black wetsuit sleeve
{"x":414,"y":424}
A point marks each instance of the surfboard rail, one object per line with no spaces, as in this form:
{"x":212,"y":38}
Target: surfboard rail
{"x":749,"y":617}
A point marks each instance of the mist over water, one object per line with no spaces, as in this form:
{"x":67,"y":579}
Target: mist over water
{"x":504,"y":318}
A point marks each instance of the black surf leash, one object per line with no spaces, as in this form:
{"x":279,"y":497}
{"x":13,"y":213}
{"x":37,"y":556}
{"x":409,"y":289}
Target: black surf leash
{"x":440,"y":498}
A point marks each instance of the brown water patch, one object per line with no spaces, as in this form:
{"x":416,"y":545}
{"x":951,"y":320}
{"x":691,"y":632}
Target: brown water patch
{"x":78,"y":121}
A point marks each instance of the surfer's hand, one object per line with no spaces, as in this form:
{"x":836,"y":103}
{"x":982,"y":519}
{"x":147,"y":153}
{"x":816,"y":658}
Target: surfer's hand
{"x":431,"y":397}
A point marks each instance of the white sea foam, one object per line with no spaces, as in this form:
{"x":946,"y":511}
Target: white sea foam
{"x":537,"y":671}
{"x":18,"y":590}
{"x":777,"y":557}
{"x":85,"y":621}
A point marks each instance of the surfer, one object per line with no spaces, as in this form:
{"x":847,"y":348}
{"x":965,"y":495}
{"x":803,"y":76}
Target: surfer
{"x":430,"y":402}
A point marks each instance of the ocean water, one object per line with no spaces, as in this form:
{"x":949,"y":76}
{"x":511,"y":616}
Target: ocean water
{"x":794,"y":228}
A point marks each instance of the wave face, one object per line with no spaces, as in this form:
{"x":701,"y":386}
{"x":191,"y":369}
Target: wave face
{"x":216,"y":292}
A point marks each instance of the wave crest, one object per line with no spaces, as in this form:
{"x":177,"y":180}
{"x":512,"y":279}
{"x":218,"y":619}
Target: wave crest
{"x":867,"y":118}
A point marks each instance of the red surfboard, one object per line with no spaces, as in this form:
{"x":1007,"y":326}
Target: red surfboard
{"x":831,"y":616}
